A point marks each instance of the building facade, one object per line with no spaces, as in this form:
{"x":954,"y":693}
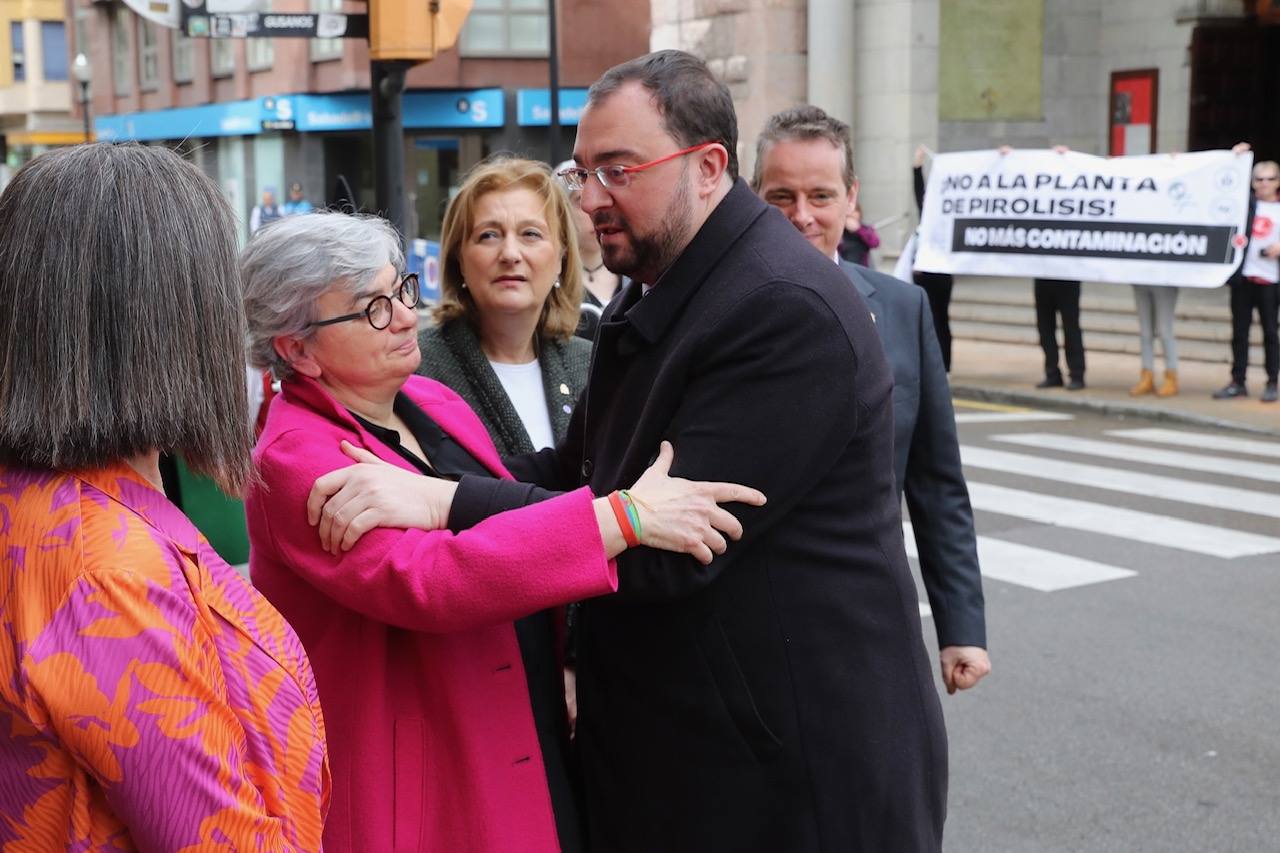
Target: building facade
{"x":261,"y":114}
{"x":35,"y":82}
{"x":1101,"y":76}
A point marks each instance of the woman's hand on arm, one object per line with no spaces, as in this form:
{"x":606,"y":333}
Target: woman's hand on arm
{"x":679,"y":515}
{"x":349,"y":502}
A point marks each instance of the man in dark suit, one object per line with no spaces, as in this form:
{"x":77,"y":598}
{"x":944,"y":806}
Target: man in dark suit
{"x":780,"y":697}
{"x":804,"y":167}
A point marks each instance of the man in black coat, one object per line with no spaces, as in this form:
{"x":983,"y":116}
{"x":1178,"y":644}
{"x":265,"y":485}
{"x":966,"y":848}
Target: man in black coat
{"x":804,"y":167}
{"x":778,"y":699}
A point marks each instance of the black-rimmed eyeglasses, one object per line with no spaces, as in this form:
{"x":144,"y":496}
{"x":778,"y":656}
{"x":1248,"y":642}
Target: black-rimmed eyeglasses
{"x":379,"y":310}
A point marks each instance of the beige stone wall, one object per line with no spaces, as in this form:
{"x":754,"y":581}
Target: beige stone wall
{"x":759,"y":48}
{"x":756,"y":46}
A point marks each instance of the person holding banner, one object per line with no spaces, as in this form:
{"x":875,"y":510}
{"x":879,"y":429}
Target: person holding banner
{"x":1254,"y":286}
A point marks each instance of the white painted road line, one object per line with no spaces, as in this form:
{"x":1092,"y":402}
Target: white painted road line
{"x":1120,"y":480}
{"x":1120,"y":522}
{"x":1246,"y":468}
{"x":1202,"y":441}
{"x":1036,"y":568}
{"x":1009,"y":417}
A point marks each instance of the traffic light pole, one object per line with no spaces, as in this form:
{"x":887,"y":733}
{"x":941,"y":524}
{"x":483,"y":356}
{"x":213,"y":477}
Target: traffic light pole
{"x":386,"y":88}
{"x":553,"y":73}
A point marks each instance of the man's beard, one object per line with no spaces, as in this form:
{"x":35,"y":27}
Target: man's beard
{"x":645,"y":256}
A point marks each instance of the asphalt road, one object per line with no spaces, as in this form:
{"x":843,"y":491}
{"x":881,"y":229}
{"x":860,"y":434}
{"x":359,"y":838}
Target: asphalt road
{"x":1132,"y":588}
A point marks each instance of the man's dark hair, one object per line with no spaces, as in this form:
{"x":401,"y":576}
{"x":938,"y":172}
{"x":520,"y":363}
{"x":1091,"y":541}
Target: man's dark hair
{"x":803,"y":123}
{"x":694,"y":105}
{"x":121,"y":324}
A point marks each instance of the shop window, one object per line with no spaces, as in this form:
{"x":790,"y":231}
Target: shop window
{"x":18,"y":51}
{"x":259,"y":54}
{"x":505,"y":28}
{"x":121,"y":66}
{"x":222,"y":57}
{"x":53,"y":44}
{"x":149,"y":55}
{"x":322,"y":49}
{"x":183,"y":57}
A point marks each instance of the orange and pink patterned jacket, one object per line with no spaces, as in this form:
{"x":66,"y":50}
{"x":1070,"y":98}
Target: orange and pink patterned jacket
{"x":150,"y":698}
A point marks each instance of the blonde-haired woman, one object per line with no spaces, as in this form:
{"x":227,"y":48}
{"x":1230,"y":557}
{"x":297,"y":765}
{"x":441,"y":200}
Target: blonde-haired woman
{"x":511,"y":291}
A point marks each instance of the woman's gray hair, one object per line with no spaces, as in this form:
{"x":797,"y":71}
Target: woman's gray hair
{"x":292,"y":262}
{"x":121,"y":328}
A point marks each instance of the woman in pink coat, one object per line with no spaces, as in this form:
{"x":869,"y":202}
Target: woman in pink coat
{"x":425,"y":611}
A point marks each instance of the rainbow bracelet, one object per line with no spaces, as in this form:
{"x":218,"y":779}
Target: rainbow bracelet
{"x":633,"y":512}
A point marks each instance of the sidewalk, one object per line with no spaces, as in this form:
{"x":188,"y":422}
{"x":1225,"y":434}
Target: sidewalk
{"x":1008,"y":372}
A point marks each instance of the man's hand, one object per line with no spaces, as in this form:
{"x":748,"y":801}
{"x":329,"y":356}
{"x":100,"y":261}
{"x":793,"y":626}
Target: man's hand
{"x":917,"y":159}
{"x":963,"y":666}
{"x":685,"y":516}
{"x":349,"y":502}
{"x":1240,"y":148}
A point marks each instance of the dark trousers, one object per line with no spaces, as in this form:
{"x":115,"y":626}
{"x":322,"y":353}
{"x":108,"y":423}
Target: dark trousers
{"x":937,"y":286}
{"x":1245,"y":298}
{"x":1053,"y":297}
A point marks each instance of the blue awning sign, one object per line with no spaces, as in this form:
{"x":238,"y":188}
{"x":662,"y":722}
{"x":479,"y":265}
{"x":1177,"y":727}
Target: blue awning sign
{"x":533,"y":106}
{"x":447,"y":109}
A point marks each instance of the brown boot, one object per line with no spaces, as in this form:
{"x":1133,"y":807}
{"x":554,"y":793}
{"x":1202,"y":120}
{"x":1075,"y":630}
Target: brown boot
{"x":1169,"y":386}
{"x":1146,"y":384}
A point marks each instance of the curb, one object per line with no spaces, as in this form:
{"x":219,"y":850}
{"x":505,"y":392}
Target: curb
{"x":1105,"y":407}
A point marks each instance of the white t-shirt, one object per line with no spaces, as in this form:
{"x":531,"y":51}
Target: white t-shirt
{"x":1266,"y":232}
{"x":523,"y":384}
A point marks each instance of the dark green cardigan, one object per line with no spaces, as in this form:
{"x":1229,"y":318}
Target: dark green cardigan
{"x":451,"y":355}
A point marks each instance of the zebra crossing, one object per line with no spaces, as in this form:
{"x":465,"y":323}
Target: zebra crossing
{"x":1196,"y":511}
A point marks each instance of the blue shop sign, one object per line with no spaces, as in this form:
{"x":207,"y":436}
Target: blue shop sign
{"x":533,"y":106}
{"x":467,"y":108}
{"x":236,"y":118}
{"x":449,"y":109}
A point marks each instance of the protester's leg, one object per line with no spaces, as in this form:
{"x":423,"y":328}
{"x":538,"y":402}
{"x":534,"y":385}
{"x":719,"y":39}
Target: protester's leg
{"x":1241,"y":316}
{"x":940,"y":305}
{"x":1166,"y":303}
{"x":1144,"y":301}
{"x":1267,"y":301}
{"x":937,"y":287}
{"x":1072,"y":338}
{"x":1144,"y":306}
{"x":1046,"y":325}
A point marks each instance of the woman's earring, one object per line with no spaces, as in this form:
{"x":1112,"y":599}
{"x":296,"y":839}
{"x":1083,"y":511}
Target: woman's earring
{"x":464,"y":285}
{"x":557,"y":284}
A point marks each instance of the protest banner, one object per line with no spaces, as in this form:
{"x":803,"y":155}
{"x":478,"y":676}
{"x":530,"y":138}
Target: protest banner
{"x":1157,"y":219}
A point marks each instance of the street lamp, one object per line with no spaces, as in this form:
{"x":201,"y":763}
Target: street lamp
{"x":80,"y":68}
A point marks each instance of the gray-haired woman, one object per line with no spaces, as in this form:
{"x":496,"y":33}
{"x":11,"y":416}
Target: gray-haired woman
{"x":423,"y":604}
{"x":151,"y":698}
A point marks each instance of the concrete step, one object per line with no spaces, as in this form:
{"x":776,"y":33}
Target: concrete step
{"x":1208,"y":305}
{"x":1189,"y":349}
{"x":1002,"y":310}
{"x":1187,"y":329}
